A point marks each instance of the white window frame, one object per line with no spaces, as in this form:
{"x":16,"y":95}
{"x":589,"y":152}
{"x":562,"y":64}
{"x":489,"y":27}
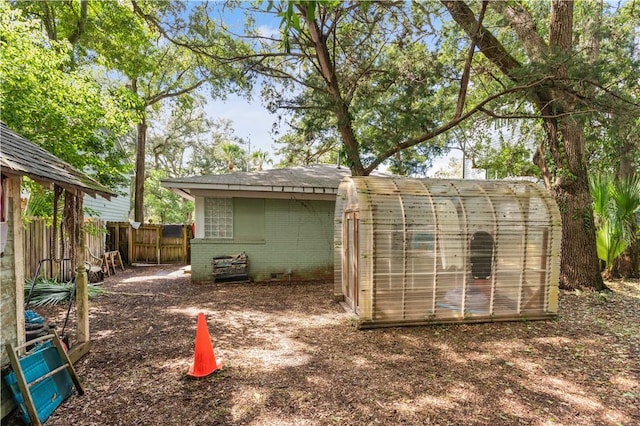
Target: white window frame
{"x":218,"y":218}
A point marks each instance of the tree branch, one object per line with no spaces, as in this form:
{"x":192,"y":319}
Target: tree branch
{"x":488,"y":44}
{"x":341,"y":109}
{"x":464,"y":81}
{"x":278,"y":73}
{"x":450,"y":124}
{"x":530,"y":116}
{"x":524,"y":26}
{"x":167,"y":94}
{"x":82,"y":21}
{"x":199,"y":49}
{"x":49,"y":21}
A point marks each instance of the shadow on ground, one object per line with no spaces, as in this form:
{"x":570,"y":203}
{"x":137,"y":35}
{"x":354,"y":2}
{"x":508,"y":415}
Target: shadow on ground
{"x":292,"y":358}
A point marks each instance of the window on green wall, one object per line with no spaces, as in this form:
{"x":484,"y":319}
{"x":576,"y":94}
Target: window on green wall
{"x":218,"y":218}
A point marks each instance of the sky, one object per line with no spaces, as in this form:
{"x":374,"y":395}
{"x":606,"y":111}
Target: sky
{"x":250,"y":120}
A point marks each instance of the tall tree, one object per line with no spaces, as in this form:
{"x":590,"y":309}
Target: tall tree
{"x":358,"y":68}
{"x":116,"y":37}
{"x":155,"y":71}
{"x":604,"y":58}
{"x":178,"y":71}
{"x":371,"y":67}
{"x":562,"y":92}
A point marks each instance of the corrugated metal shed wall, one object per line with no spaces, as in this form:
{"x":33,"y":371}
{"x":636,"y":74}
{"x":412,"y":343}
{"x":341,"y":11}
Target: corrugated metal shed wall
{"x":433,"y":250}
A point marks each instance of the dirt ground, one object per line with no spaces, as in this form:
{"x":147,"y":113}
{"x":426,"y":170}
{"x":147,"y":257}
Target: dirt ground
{"x":291,"y":357}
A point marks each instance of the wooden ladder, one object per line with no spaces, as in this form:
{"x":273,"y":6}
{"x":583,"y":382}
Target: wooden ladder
{"x":24,"y":387}
{"x":113,"y":259}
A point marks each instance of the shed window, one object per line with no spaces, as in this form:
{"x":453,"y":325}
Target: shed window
{"x":218,"y":218}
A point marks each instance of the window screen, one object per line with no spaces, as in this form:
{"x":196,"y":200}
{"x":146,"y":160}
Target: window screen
{"x":218,"y":218}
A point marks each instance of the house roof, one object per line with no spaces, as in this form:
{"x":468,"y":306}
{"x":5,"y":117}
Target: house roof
{"x":20,"y":156}
{"x":320,"y":179}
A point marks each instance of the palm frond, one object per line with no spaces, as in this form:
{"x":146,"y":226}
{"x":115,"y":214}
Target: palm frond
{"x":600,"y":188}
{"x":626,"y":195}
{"x":50,"y":292}
{"x":609,"y":241}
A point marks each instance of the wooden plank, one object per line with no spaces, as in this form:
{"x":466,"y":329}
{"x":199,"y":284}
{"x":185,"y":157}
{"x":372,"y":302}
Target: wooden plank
{"x":117,"y":237}
{"x":158,"y":244}
{"x":22,"y":385}
{"x":82,"y":305}
{"x":67,"y":362}
{"x":155,"y":245}
{"x":130,"y":244}
{"x":18,"y":253}
{"x":78,"y":351}
{"x":184,"y":245}
{"x":46,"y":376}
{"x":234,"y":266}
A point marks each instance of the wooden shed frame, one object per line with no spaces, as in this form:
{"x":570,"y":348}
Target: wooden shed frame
{"x":423,"y":251}
{"x":19,"y":157}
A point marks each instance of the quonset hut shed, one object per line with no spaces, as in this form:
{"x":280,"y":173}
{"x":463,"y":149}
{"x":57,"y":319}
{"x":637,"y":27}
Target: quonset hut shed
{"x":420,"y":251}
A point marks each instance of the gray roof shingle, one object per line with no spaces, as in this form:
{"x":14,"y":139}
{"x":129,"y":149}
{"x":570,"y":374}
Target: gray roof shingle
{"x":318,"y":178}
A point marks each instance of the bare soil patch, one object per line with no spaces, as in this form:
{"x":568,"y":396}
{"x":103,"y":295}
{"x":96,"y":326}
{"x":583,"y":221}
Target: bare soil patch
{"x":292,"y":358}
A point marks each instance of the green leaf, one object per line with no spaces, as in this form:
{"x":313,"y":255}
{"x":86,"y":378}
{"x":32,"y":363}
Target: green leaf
{"x":50,"y":292}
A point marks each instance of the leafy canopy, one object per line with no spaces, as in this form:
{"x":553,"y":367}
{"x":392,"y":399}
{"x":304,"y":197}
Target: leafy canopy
{"x":52,"y":101}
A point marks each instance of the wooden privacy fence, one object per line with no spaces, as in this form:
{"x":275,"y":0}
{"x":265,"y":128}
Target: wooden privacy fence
{"x":150,"y":243}
{"x":147,"y":244}
{"x":38,"y":242}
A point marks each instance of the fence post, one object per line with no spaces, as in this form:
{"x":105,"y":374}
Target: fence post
{"x":158,"y":242}
{"x":117,"y":237}
{"x":131,"y":243}
{"x":184,"y":244}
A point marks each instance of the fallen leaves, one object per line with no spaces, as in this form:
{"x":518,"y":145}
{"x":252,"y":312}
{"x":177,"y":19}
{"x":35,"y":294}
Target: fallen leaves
{"x":291,"y":357}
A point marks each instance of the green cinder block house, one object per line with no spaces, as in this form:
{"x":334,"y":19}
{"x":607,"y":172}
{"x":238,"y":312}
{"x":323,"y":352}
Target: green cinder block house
{"x":282,"y":219}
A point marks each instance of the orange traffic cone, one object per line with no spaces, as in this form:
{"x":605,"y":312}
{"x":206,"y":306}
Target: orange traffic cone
{"x":204,"y":360}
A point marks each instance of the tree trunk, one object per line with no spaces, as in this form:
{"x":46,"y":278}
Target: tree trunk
{"x":579,"y":264}
{"x":138,"y":209}
{"x":569,"y":184}
{"x":341,"y":108}
{"x":627,"y":265}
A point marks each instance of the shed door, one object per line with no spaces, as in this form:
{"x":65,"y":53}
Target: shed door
{"x":350,"y":283}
